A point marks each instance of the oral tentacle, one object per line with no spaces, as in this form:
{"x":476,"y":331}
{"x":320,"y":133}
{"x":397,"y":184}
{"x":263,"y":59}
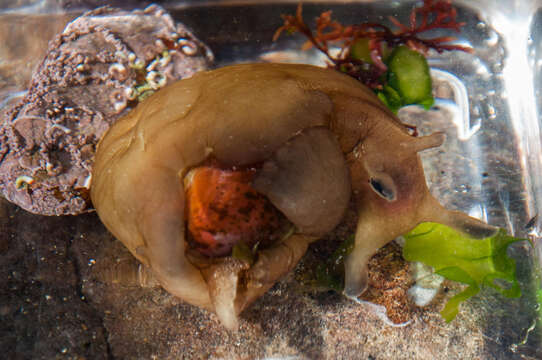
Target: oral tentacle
{"x":417,"y":144}
{"x":434,"y":212}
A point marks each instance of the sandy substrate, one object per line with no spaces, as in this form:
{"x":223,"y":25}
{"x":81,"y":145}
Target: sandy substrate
{"x":61,"y":296}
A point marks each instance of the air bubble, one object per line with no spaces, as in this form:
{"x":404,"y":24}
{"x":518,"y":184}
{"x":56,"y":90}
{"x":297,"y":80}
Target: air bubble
{"x":492,"y":39}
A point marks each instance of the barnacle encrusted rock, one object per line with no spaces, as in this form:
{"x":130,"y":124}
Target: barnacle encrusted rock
{"x":98,"y":68}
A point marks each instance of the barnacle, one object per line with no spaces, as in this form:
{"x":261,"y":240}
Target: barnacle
{"x":23,"y":181}
{"x":118,"y":70}
{"x":319,"y":138}
{"x":187,"y":47}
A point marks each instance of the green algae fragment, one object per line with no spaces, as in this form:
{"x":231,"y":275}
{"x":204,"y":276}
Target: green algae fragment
{"x":330,"y":274}
{"x":360,"y":50}
{"x":460,"y":258}
{"x":408,"y":80}
{"x":409,"y":74}
{"x":243,"y":252}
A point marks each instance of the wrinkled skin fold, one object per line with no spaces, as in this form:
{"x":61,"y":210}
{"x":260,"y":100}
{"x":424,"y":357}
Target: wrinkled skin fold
{"x":321,"y":137}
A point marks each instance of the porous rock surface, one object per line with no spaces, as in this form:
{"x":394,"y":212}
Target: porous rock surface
{"x":96,"y":70}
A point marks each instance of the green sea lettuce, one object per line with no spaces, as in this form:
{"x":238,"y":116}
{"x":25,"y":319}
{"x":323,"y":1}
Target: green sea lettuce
{"x":457,"y":257}
{"x":408,"y":80}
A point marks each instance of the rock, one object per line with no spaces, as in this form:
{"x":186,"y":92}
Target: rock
{"x":96,"y":70}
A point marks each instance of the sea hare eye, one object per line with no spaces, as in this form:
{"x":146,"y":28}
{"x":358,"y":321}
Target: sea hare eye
{"x":383,"y":188}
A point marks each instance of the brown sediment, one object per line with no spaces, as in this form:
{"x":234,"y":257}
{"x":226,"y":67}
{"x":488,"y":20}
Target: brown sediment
{"x":50,"y":310}
{"x":388,"y":273}
{"x":389,"y":281}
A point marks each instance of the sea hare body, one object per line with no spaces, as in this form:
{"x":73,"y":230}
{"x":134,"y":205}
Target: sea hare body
{"x":321,"y":138}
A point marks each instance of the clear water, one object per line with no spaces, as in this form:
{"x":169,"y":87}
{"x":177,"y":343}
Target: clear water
{"x":488,"y":104}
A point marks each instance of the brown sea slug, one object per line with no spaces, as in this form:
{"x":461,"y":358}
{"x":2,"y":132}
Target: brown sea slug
{"x":315,"y":137}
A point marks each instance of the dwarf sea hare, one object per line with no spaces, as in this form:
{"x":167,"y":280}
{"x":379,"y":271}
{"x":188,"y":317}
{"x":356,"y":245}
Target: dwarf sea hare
{"x":321,"y":138}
